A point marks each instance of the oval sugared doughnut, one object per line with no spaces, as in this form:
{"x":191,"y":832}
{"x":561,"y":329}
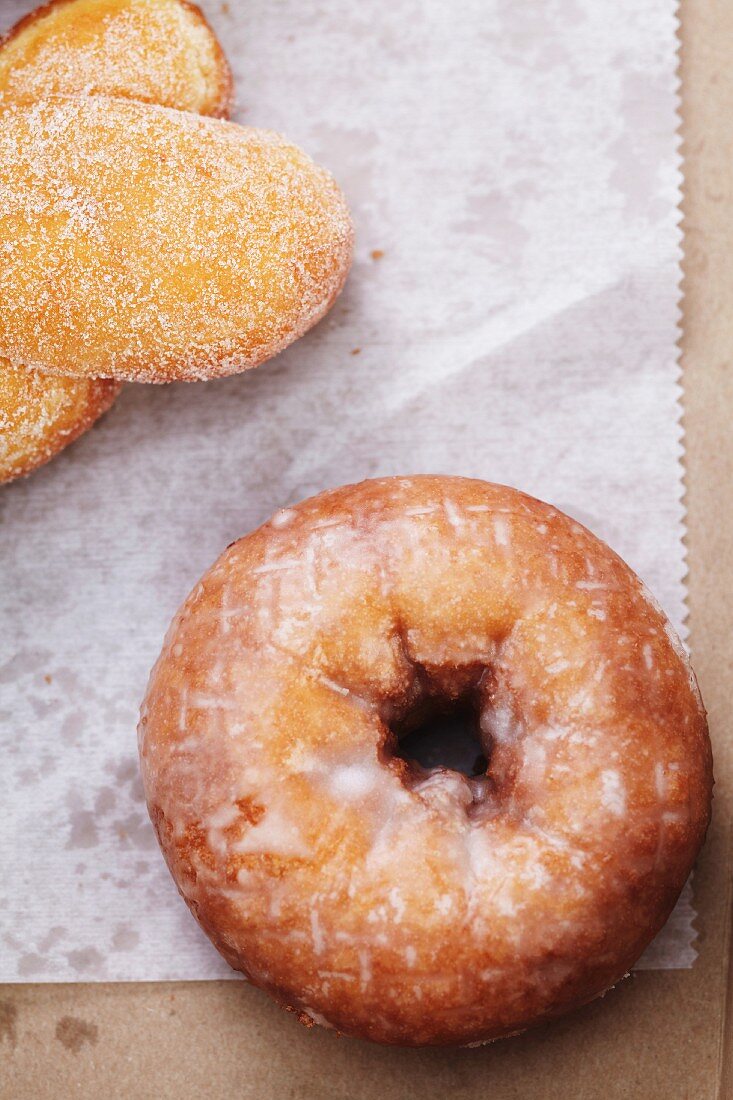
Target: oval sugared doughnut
{"x":40,"y":415}
{"x":156,"y":51}
{"x":153,"y":245}
{"x":362,"y":891}
{"x":161,"y":51}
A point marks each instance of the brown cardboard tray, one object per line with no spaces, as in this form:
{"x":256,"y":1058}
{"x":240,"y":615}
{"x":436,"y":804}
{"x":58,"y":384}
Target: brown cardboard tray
{"x":660,"y":1034}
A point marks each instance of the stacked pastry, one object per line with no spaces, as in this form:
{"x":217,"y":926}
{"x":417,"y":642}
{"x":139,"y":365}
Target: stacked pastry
{"x":142,"y":236}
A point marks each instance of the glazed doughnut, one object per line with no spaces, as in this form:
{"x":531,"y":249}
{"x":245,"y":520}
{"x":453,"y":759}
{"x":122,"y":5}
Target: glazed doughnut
{"x":40,"y":415}
{"x":147,"y":244}
{"x":371,"y":895}
{"x":157,"y":51}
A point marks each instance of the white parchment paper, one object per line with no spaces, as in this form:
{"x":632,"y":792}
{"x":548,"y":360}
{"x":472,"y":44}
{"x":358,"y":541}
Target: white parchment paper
{"x":512,"y":315}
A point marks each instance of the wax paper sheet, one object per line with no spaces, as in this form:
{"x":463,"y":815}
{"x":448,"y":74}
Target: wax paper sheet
{"x":512,"y":314}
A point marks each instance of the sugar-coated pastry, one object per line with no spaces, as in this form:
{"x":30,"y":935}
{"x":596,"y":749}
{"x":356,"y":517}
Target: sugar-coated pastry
{"x":374,"y":896}
{"x":148,"y":244}
{"x":162,"y":51}
{"x":40,"y":415}
{"x":157,"y":51}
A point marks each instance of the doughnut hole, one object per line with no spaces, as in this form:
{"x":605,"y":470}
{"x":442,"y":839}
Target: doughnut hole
{"x":441,"y":736}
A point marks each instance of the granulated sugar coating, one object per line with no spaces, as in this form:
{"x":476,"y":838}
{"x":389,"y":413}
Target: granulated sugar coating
{"x":152,"y":245}
{"x":40,"y":415}
{"x":157,"y":51}
{"x":161,"y":51}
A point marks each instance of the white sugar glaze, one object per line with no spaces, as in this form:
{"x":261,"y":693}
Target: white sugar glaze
{"x":458,"y":909}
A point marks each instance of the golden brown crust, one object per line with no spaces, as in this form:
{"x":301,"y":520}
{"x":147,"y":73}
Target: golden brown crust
{"x":223,"y":102}
{"x":156,"y":51}
{"x":40,"y":416}
{"x":396,"y":905}
{"x":154,"y":245}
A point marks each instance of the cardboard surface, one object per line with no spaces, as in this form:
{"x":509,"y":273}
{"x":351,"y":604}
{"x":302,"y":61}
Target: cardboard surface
{"x":658,"y":1034}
